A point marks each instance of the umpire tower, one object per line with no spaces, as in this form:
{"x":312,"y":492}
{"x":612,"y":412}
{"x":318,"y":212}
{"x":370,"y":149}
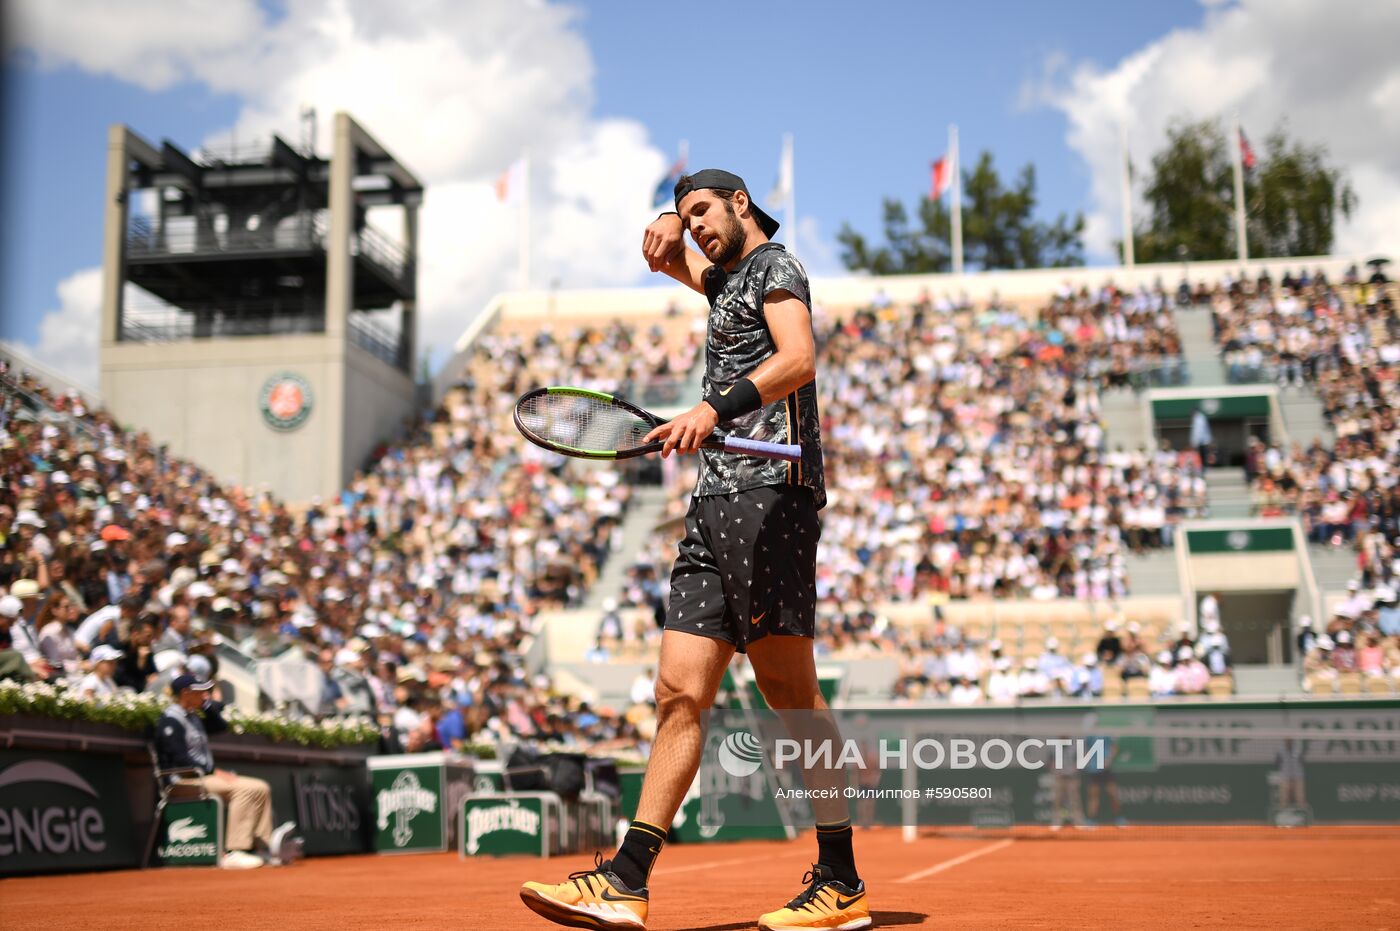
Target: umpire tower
{"x":254,"y":320}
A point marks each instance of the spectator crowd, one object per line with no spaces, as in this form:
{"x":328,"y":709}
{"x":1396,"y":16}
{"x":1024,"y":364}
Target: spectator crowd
{"x":122,"y":566}
{"x":965,"y":451}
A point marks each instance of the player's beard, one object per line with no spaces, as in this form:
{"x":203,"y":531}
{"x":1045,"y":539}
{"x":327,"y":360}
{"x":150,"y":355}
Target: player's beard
{"x":731,"y":237}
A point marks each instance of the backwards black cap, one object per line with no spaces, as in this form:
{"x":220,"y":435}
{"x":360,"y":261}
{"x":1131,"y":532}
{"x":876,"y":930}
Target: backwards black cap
{"x":717,"y":179}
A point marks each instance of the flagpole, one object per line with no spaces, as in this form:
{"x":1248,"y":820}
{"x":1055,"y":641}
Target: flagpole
{"x":791,"y":191}
{"x":1127,"y":196}
{"x":1241,"y":240}
{"x":523,"y":223}
{"x":957,"y":199}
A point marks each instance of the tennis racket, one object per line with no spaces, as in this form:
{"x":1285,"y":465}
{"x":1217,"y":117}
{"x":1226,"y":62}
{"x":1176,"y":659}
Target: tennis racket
{"x":593,"y":425}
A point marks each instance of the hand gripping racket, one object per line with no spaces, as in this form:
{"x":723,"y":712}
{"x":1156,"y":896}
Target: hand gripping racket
{"x":593,"y":425}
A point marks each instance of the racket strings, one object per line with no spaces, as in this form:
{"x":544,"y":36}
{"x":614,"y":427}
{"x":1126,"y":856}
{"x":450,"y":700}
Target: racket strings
{"x":582,"y":422}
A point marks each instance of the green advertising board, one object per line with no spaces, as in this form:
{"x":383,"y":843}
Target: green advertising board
{"x":1353,"y":793}
{"x":631,"y":779}
{"x":1240,"y":540}
{"x":1216,"y":407}
{"x":63,"y":812}
{"x":1130,"y":753}
{"x":408,"y":809}
{"x":1189,"y":763}
{"x":511,"y":823}
{"x":414,"y":796}
{"x":192,"y":833}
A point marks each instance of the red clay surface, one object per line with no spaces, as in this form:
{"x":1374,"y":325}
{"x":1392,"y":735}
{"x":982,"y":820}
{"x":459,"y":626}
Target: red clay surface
{"x":1235,"y":878}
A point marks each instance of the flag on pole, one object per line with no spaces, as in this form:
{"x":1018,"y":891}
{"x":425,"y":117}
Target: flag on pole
{"x":782,"y":188}
{"x":942,"y":178}
{"x":1246,"y":152}
{"x":1243,"y":160}
{"x":666,"y":187}
{"x":511,"y":181}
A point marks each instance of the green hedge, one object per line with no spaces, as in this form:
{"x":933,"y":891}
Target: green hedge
{"x":136,"y":712}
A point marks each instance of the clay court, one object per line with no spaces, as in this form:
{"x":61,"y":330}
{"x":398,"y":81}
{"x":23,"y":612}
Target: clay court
{"x":1218,"y":878}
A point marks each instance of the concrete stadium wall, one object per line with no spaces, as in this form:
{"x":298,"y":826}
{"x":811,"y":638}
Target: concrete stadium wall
{"x":202,"y":399}
{"x":378,"y":399}
{"x":1244,"y":572}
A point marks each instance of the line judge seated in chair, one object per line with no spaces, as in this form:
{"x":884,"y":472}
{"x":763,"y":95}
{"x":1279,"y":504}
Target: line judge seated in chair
{"x":182,"y":742}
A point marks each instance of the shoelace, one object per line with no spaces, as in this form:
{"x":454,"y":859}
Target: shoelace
{"x":805,"y":896}
{"x":599,"y":866}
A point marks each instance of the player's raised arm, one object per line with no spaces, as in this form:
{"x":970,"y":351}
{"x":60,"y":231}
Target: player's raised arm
{"x":663,"y":246}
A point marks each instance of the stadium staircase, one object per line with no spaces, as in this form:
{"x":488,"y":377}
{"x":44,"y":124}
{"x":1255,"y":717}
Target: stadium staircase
{"x":1227,"y":493}
{"x":1125,"y":420}
{"x":1198,"y":347}
{"x":647,"y":506}
{"x":1303,"y":416}
{"x":1153,"y":573}
{"x":1333,"y":567}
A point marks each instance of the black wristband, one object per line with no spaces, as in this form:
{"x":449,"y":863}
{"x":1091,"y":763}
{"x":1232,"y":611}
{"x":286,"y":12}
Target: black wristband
{"x":666,"y":213}
{"x":741,"y":399}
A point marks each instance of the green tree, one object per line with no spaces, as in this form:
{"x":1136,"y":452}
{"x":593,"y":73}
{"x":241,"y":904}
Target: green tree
{"x":999,"y":230}
{"x":1189,"y":198}
{"x":1292,"y":198}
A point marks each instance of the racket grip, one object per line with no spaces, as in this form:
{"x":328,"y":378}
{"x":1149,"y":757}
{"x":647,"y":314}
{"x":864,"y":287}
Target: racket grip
{"x":736,"y":444}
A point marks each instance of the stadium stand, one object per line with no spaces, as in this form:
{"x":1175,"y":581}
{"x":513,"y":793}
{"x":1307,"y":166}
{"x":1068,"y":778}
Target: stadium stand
{"x":1341,"y":341}
{"x":947,"y":497}
{"x":980,"y":563}
{"x":419,"y":582}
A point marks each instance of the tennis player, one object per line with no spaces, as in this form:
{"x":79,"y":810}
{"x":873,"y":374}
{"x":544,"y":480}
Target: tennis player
{"x":745,"y":576}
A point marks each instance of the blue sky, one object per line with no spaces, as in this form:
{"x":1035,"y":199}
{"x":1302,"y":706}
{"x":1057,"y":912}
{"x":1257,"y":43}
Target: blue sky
{"x":55,"y":171}
{"x":868,"y":90}
{"x":600,"y":91}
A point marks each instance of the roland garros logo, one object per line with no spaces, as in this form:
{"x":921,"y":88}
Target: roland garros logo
{"x":403,"y":801}
{"x":285,"y":401}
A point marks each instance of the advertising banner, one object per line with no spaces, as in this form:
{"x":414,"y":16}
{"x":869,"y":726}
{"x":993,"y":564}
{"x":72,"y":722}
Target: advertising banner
{"x":1053,"y":766}
{"x":192,"y":833}
{"x":414,"y":799}
{"x":499,"y":825}
{"x":63,"y":812}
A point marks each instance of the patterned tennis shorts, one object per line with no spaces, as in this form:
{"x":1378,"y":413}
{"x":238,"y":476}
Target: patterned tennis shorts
{"x":747,"y":566}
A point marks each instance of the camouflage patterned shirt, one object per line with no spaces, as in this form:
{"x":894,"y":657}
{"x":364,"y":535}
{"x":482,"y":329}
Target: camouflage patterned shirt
{"x":738,"y":341}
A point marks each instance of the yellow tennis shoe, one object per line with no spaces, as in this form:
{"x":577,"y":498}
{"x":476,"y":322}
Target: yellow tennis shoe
{"x":825,"y":904}
{"x":593,"y":898}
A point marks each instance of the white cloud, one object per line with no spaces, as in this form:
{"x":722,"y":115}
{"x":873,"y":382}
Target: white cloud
{"x":1329,"y":71}
{"x":68,"y":333}
{"x":151,"y":43}
{"x":455,"y":90}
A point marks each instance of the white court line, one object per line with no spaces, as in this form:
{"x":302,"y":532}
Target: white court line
{"x":949,"y":864}
{"x":707,"y":865}
{"x":1202,"y":882}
